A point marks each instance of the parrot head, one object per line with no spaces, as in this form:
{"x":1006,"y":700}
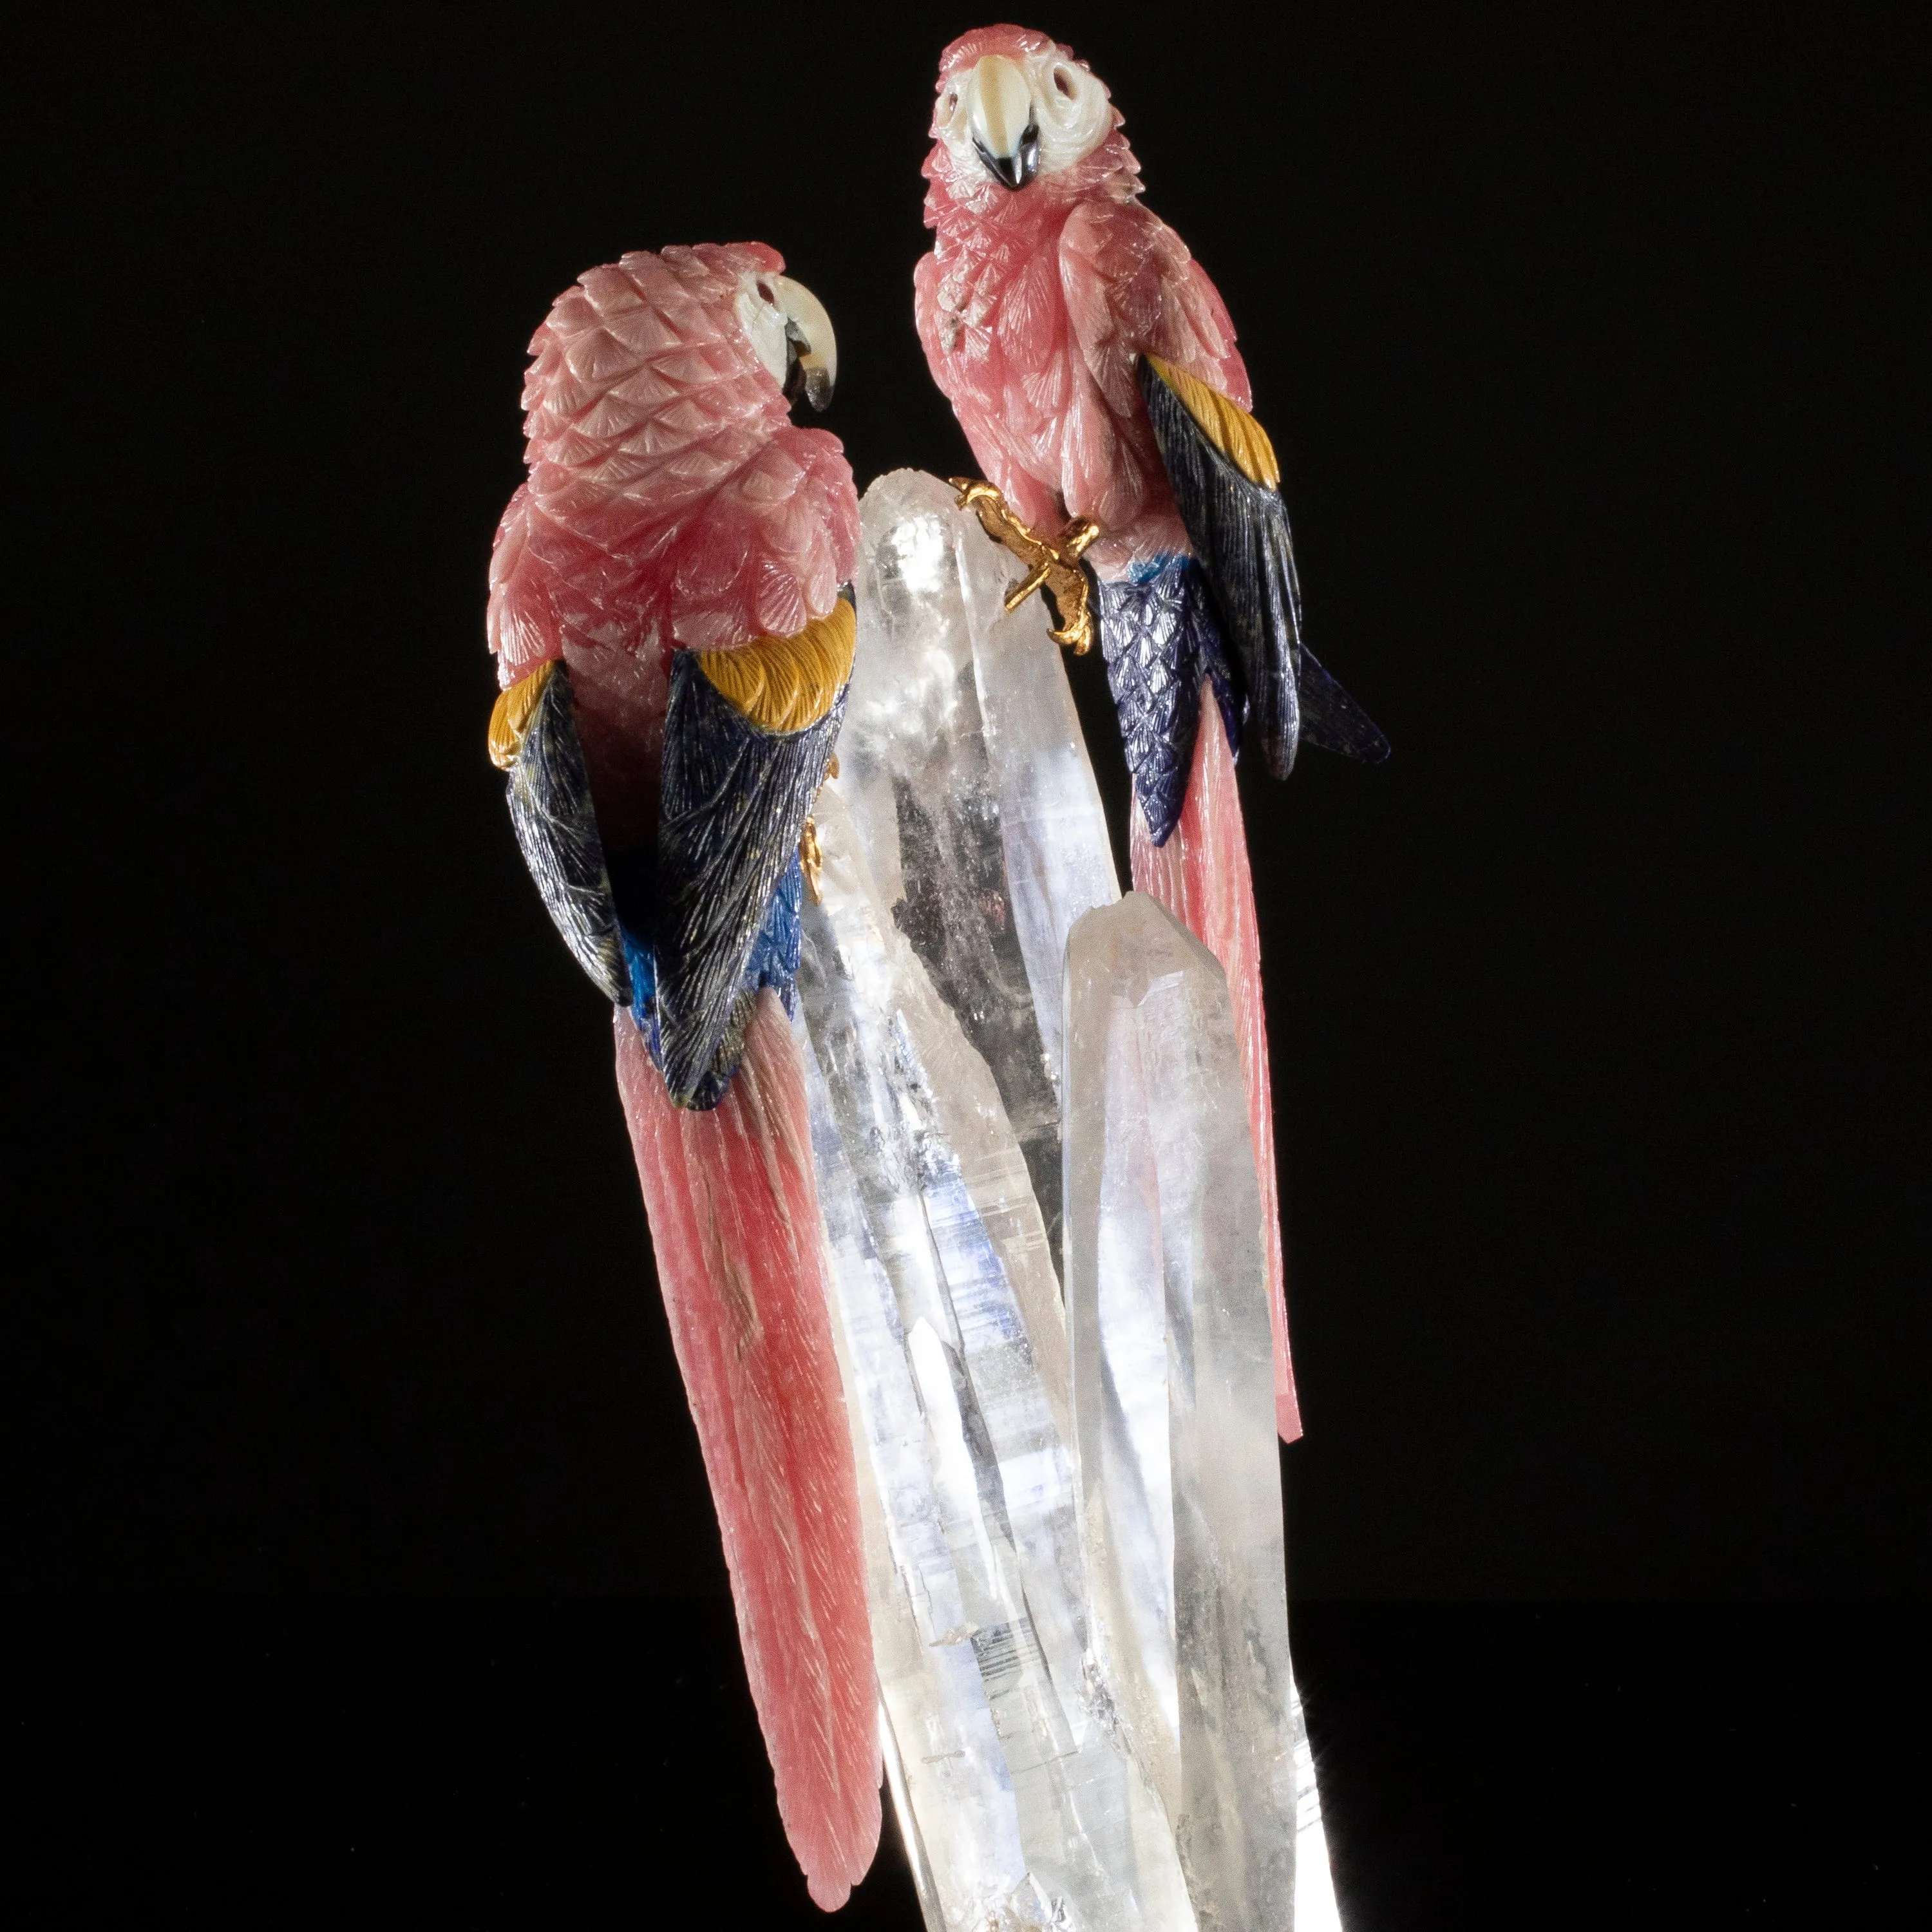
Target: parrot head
{"x":766,"y":341}
{"x":1018,"y":115}
{"x":671,"y":495}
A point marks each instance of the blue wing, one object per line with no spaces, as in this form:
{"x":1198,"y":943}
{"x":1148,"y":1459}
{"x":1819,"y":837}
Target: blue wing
{"x":734,"y":803}
{"x":1239,"y":529}
{"x":688,"y":933}
{"x":556,"y":825}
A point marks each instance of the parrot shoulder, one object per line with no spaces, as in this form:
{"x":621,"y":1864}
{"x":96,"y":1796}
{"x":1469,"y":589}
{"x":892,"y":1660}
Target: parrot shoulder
{"x":763,"y":554}
{"x":1226,"y":425}
{"x":1131,"y":289}
{"x":936,"y":336}
{"x":545,"y":587}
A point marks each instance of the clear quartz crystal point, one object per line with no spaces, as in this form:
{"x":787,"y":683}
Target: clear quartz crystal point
{"x":962,"y":764}
{"x":1173,"y":1397}
{"x":1315,"y":1909}
{"x":962,"y":837}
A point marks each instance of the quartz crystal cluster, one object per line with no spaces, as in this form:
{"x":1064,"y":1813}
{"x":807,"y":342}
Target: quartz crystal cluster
{"x":1039,"y":1192}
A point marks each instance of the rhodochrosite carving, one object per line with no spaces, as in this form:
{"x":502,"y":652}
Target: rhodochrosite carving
{"x":1093,"y":366}
{"x":664,"y":604}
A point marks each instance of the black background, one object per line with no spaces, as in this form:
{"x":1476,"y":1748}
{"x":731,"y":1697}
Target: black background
{"x":1593,"y":346}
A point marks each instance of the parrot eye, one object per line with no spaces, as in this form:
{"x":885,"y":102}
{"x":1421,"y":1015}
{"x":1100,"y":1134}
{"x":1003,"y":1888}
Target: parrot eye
{"x":1063,"y":81}
{"x":765,"y":289}
{"x":951,"y":102}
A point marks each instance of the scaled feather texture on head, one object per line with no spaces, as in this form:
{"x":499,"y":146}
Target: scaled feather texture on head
{"x":671,"y":502}
{"x":665,"y":466}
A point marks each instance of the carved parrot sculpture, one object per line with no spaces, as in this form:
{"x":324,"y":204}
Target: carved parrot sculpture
{"x":665,"y":606}
{"x":1093,"y":366}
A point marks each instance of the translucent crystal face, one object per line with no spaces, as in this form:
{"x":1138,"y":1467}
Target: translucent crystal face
{"x":1076,"y":1586}
{"x":991,"y":114}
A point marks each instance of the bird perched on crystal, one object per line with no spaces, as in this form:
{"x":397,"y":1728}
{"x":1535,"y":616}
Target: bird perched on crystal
{"x":1004,"y":1532}
{"x":665,"y":606}
{"x":1092,"y":365}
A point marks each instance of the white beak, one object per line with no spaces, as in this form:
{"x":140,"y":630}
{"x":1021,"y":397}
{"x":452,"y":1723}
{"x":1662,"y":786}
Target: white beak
{"x":813,"y":349}
{"x":1005,"y":133}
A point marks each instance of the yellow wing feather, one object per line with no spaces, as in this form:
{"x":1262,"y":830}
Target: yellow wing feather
{"x":510,"y":717}
{"x":1226,"y":425}
{"x":784,"y":684}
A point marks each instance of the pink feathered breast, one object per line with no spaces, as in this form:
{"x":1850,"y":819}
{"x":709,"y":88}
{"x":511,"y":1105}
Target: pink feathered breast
{"x":1034,"y":308}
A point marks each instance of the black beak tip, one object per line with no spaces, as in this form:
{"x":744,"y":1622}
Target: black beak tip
{"x":1015,"y":170}
{"x":812,"y":381}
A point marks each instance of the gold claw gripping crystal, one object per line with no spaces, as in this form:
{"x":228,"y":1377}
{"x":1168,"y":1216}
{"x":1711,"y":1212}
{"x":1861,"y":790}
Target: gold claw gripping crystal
{"x":1051,"y":566}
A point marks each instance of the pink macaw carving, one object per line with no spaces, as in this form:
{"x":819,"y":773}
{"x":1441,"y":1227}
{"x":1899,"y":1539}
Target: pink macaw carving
{"x":1047,"y":282}
{"x":672,"y":505}
{"x":672,"y":501}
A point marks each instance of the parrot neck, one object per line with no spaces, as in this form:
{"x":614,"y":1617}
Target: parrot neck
{"x":982,"y":225}
{"x":977,"y":209}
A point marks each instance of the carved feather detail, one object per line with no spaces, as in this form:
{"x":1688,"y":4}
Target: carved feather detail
{"x":784,"y":684}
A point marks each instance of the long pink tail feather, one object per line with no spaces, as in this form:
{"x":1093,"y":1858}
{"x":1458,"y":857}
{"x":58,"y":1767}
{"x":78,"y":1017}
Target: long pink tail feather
{"x":1201,"y":876}
{"x":735,"y":1223}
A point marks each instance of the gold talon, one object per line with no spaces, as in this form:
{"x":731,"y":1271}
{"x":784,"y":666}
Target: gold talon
{"x":1053,"y":567}
{"x":1077,"y":535}
{"x":811,"y":853}
{"x":811,"y":858}
{"x":1026,"y":586}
